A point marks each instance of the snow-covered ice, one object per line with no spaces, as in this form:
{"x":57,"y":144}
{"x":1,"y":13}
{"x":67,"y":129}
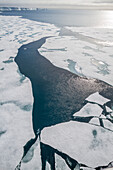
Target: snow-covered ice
{"x":15,"y":90}
{"x":97,"y":98}
{"x":89,"y":110}
{"x":87,"y":144}
{"x":89,"y":48}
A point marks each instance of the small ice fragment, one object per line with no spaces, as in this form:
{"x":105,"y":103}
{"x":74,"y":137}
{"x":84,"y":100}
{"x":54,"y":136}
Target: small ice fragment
{"x":108,"y":116}
{"x":25,"y":48}
{"x":48,"y":165}
{"x":108,"y":124}
{"x":77,"y":167}
{"x":28,"y":156}
{"x":97,"y":98}
{"x":30,"y":153}
{"x":59,"y":162}
{"x":89,"y":110}
{"x":111,"y":115}
{"x":109,"y":110}
{"x":86,"y":168}
{"x":95,"y":121}
{"x":102,"y":116}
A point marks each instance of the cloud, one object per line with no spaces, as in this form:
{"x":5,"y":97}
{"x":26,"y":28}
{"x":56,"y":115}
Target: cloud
{"x":58,"y":2}
{"x":48,"y":1}
{"x":103,"y":1}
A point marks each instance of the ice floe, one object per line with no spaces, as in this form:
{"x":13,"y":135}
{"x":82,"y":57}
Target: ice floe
{"x":97,"y":98}
{"x":96,"y":111}
{"x":89,"y":48}
{"x":89,"y":110}
{"x":87,"y":144}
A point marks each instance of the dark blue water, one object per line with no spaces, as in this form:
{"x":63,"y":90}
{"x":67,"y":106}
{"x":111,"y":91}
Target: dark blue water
{"x":68,"y":17}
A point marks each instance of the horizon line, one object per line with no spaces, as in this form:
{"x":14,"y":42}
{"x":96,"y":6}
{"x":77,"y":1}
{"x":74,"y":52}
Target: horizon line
{"x":61,"y":6}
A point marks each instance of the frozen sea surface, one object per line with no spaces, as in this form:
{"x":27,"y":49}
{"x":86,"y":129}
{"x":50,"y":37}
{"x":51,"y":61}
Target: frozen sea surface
{"x":84,"y":51}
{"x":87,"y":144}
{"x":15,"y":89}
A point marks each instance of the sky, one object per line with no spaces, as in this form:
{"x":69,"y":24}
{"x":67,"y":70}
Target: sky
{"x":45,"y":3}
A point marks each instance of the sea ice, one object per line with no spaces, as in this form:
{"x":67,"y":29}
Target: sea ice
{"x":87,"y":144}
{"x":97,"y":98}
{"x":16,"y":95}
{"x":82,"y":45}
{"x":89,"y":110}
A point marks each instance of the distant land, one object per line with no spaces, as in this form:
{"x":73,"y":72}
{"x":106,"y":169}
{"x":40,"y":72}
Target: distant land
{"x":61,"y":6}
{"x":16,"y":9}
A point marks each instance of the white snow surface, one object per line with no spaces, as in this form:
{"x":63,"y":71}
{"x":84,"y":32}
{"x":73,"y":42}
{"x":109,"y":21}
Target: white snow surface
{"x":15,"y":91}
{"x":97,"y":98}
{"x":90,"y":48}
{"x":89,"y":110}
{"x":87,"y":144}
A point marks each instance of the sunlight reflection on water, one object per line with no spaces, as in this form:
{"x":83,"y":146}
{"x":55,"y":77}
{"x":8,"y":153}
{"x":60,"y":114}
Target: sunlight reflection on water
{"x":68,"y":17}
{"x":106,"y":19}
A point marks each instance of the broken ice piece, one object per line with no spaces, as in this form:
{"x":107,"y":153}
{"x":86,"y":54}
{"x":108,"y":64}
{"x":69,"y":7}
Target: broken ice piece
{"x":89,"y":110}
{"x":110,"y":116}
{"x":29,"y":155}
{"x":102,"y":116}
{"x":86,"y":168}
{"x":108,"y":124}
{"x":95,"y":121}
{"x":59,"y":162}
{"x":87,"y":144}
{"x":97,"y":98}
{"x":108,"y":110}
